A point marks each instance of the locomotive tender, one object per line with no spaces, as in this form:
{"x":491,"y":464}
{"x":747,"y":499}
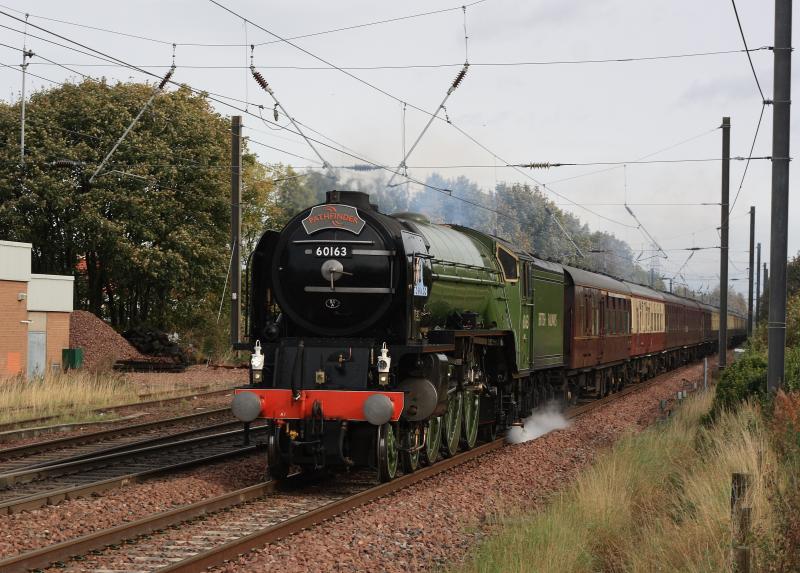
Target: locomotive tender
{"x":386,"y":340}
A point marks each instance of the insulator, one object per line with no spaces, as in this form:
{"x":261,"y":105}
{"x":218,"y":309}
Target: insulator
{"x":259,"y":78}
{"x":363,"y":167}
{"x":460,"y":76}
{"x":66,"y":163}
{"x":540,"y":165}
{"x":166,"y":78}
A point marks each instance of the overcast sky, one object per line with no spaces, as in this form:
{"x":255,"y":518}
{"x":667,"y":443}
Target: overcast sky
{"x":534,"y":113}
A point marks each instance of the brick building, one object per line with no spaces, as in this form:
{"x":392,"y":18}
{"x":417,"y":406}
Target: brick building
{"x":34,"y":314}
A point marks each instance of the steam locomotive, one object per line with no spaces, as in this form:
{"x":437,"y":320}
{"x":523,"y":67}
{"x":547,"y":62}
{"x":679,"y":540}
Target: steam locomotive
{"x":388,"y":341}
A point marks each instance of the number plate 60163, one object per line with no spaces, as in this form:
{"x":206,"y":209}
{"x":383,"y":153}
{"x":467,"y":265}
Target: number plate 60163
{"x":333,"y":251}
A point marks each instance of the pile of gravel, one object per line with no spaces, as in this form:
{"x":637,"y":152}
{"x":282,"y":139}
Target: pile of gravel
{"x":102,"y":345}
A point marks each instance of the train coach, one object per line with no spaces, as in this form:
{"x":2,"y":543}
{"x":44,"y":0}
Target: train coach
{"x":388,"y":341}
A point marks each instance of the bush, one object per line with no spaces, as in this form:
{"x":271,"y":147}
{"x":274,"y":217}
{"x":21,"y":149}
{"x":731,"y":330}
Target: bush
{"x":745,"y":378}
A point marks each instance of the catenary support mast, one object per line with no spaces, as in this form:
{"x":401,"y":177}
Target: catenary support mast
{"x":779,"y":222}
{"x":236,"y":226}
{"x":750,"y":273}
{"x":723,"y":252}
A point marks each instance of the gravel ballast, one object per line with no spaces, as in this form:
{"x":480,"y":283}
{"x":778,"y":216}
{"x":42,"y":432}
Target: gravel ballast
{"x":424,"y":527}
{"x":438,"y":521}
{"x":69,"y":519}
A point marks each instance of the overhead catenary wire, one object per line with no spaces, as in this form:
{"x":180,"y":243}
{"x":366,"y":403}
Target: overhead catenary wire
{"x":746,"y":165}
{"x":764,"y":102}
{"x":106,"y":57}
{"x":643,"y":157}
{"x":354,"y":156}
{"x":749,"y":58}
{"x":453,"y":86}
{"x":235,"y":45}
{"x":17,"y":68}
{"x":686,"y":262}
{"x":266,"y":87}
{"x":156,"y":91}
{"x":394,"y":97}
{"x":548,"y":165}
{"x":38,"y":55}
{"x":644,"y":231}
{"x":546,"y":187}
{"x":498,"y":64}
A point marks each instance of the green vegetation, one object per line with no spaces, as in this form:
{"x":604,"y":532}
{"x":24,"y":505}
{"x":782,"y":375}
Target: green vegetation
{"x":747,"y":377}
{"x":660,"y":500}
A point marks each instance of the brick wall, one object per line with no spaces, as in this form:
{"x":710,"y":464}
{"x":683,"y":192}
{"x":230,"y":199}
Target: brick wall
{"x":57,"y":336}
{"x":13,"y":333}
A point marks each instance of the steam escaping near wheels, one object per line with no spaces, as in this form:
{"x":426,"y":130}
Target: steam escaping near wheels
{"x":543,"y":421}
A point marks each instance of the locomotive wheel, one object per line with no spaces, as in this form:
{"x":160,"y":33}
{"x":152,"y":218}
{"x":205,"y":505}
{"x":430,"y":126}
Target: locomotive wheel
{"x":451,"y":422}
{"x":277,"y":468}
{"x":433,"y":441}
{"x":409,"y":456}
{"x":387,"y":453}
{"x":471,"y":408}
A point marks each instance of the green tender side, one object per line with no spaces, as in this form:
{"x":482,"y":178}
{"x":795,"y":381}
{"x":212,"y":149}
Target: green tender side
{"x":467,"y":277}
{"x":548,"y":297}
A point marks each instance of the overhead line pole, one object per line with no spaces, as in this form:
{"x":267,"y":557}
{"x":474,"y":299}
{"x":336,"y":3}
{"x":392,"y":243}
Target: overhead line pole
{"x":758,"y":284}
{"x":26,"y":54}
{"x":750,"y":273}
{"x":723,"y":252}
{"x":236,"y":226}
{"x":776,"y":326}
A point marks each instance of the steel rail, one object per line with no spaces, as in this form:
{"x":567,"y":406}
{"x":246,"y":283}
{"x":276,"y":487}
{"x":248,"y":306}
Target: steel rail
{"x":46,"y":468}
{"x":10,"y":426}
{"x":74,"y":466}
{"x":102,"y":435}
{"x":60,"y":552}
{"x":66,"y":550}
{"x":72,"y":491}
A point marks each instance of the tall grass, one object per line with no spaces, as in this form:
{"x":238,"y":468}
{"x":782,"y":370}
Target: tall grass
{"x":69,"y":396}
{"x":657,"y":501}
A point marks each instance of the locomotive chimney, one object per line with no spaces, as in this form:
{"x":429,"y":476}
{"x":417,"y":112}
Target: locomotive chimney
{"x":357,"y":199}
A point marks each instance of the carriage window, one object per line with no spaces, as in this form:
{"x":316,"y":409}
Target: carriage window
{"x":509,"y":264}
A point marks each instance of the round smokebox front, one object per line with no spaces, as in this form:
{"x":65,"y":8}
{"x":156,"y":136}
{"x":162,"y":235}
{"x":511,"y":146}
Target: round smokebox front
{"x":333,"y":271}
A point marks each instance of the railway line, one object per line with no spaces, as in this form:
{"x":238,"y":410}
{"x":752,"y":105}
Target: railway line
{"x":81,"y":446}
{"x":87,"y":474}
{"x":33,"y":426}
{"x":212,"y":531}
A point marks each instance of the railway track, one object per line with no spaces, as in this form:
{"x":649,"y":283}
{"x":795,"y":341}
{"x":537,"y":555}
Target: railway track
{"x":22,"y":428}
{"x":38,"y":486}
{"x":210,"y":532}
{"x":73,"y":448}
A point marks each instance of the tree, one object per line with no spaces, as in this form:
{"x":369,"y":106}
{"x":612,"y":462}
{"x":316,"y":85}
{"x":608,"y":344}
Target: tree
{"x":146,"y":239}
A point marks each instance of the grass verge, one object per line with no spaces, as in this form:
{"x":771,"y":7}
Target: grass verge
{"x":71,"y":397}
{"x":660,"y":501}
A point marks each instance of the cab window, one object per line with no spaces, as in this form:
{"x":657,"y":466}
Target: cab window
{"x":509,"y":264}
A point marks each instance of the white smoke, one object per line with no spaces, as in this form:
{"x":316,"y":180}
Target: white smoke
{"x":543,"y":420}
